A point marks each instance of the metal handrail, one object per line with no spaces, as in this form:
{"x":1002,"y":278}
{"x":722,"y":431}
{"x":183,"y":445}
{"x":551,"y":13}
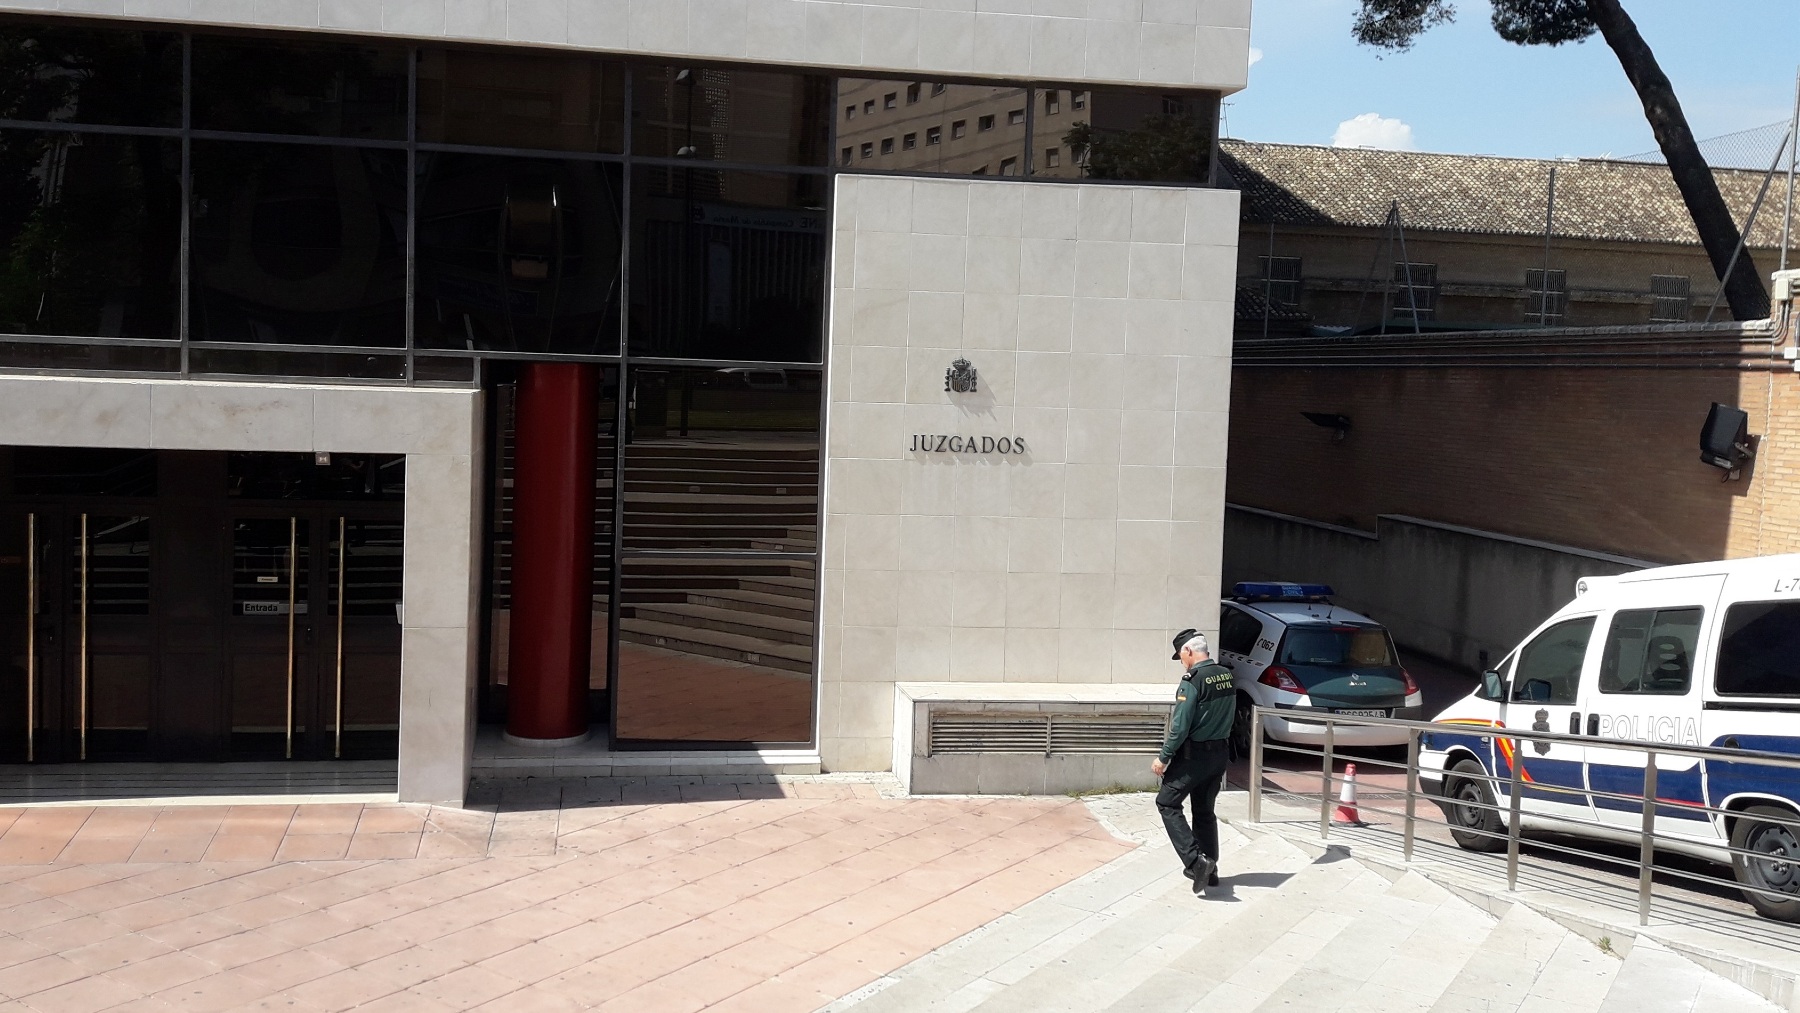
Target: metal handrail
{"x":1650,"y":805}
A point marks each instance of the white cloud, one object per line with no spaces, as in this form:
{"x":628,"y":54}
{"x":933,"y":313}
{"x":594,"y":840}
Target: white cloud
{"x":1255,"y":56}
{"x":1373,"y":130}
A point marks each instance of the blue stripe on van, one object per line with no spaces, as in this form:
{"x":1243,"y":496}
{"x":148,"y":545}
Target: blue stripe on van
{"x":1671,"y":786}
{"x":1725,"y":779}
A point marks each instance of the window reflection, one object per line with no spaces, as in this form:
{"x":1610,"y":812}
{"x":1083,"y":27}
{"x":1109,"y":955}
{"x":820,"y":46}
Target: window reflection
{"x":285,"y":86}
{"x":731,"y":115}
{"x":89,"y":75}
{"x":728,"y":265}
{"x":1131,"y":135}
{"x":966,"y":129}
{"x":521,"y":100}
{"x":91,"y":227}
{"x":517,"y":254}
{"x":298,"y":244}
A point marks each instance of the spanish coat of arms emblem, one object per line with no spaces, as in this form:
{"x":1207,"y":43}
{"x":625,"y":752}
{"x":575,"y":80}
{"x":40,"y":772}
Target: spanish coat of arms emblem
{"x":960,"y":377}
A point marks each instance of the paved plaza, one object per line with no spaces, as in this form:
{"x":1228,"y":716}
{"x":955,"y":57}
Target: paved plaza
{"x":554,"y":896}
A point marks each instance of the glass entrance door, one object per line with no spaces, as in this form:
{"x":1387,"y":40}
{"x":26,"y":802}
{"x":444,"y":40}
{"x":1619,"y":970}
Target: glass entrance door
{"x":270,"y":636}
{"x":23,"y":636}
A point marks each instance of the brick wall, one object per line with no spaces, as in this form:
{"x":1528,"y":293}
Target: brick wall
{"x":1596,"y":454}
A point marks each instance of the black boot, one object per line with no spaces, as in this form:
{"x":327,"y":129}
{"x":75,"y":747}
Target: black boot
{"x":1203,"y":874}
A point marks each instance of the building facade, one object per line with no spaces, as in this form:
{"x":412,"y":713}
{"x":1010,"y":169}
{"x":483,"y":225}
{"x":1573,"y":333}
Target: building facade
{"x":379,"y":373}
{"x":1365,"y":240}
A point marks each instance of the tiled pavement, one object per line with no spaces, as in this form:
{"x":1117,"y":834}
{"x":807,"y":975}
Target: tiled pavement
{"x":559,"y":896}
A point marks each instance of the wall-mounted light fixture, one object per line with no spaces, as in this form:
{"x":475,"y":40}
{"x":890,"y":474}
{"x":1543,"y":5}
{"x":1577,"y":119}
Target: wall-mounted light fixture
{"x":1725,"y":440}
{"x":1340,"y":424}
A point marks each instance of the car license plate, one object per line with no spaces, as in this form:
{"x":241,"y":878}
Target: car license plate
{"x":1362,"y":713}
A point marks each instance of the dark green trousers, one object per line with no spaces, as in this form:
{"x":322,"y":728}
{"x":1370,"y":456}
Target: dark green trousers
{"x":1196,"y":772}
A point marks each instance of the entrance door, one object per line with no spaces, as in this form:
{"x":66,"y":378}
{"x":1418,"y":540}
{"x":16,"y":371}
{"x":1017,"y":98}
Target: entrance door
{"x":128,"y":633}
{"x":1546,"y":688}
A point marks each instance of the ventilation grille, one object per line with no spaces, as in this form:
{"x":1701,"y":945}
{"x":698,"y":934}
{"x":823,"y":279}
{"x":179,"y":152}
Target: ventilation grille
{"x":1045,"y":734}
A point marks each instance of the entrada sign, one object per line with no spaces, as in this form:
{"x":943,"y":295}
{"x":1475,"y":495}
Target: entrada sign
{"x":926,"y":443}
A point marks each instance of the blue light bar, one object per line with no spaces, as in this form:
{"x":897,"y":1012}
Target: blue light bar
{"x":1280,"y":591}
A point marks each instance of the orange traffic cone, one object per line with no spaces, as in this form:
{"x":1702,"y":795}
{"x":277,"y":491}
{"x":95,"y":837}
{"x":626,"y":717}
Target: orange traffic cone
{"x":1346,"y":807}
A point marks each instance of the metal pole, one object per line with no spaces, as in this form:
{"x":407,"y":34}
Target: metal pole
{"x":1549,"y":223}
{"x":31,"y":613}
{"x":1647,"y":843}
{"x":84,"y":635}
{"x":1325,"y":783}
{"x":1512,"y":819}
{"x":1412,"y":786}
{"x":1256,"y":764}
{"x":1412,"y":295}
{"x":1268,"y":278}
{"x":1793,"y":149}
{"x":1749,"y":225}
{"x":337,"y":723}
{"x":293,"y":553}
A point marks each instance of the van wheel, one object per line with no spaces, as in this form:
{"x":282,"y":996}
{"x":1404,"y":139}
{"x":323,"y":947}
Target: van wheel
{"x":1469,"y":807}
{"x":1240,"y":728}
{"x":1758,"y":830}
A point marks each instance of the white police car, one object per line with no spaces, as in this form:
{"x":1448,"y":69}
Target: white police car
{"x":1289,"y":648}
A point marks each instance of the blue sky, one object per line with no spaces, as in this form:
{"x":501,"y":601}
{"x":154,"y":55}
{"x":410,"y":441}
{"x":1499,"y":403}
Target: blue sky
{"x":1461,"y":89}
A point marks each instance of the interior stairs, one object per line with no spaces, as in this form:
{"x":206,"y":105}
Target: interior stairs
{"x":1286,"y":931}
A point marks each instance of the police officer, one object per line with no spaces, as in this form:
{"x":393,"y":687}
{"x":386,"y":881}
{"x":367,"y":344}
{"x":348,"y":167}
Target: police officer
{"x":1194,"y":757}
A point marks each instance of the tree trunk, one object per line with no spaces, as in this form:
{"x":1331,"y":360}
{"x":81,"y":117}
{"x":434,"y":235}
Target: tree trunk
{"x":1744,"y":291}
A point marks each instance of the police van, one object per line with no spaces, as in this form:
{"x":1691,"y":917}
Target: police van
{"x":1703,"y":654}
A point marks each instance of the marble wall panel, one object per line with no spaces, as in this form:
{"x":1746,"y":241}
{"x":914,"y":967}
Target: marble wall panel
{"x":1080,"y":307}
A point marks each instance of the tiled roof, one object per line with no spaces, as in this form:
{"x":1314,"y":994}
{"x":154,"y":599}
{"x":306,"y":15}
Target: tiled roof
{"x":1294,"y":184}
{"x":1252,"y":305}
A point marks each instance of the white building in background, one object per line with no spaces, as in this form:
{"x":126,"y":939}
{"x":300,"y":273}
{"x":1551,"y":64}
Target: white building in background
{"x":417,"y":385}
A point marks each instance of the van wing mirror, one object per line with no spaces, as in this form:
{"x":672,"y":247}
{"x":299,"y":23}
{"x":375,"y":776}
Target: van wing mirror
{"x":1493,"y":686}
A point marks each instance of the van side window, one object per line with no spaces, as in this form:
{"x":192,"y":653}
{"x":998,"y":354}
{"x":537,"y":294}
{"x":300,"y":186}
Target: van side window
{"x":1759,"y":650}
{"x":1650,"y":651}
{"x":1238,"y":631}
{"x":1550,"y":666}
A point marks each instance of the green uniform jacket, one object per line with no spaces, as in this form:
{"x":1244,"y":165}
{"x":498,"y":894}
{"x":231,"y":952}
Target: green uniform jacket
{"x":1205,"y":704}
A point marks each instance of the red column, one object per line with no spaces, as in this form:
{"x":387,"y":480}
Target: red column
{"x":553,"y":551}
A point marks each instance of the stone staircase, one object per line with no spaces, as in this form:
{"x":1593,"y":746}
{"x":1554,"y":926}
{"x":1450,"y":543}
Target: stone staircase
{"x":1285,"y":932}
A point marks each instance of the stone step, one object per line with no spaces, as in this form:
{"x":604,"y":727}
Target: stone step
{"x":968,"y":971}
{"x":716,"y":644}
{"x":1655,"y":980}
{"x":1500,"y":975}
{"x":787,"y":587}
{"x":781,"y":605}
{"x":748,"y":624}
{"x":1400,"y":952}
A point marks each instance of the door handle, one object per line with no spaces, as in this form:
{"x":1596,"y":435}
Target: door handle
{"x":1593,"y":724}
{"x":1574,"y":722}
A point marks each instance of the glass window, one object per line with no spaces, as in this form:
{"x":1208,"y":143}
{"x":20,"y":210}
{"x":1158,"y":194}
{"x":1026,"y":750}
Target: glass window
{"x":999,"y":113}
{"x":1052,"y":157}
{"x":850,"y":111}
{"x":1144,"y":135}
{"x":1052,"y":102}
{"x":1238,"y":631}
{"x":521,"y":99}
{"x":1669,"y":299}
{"x":909,"y":142}
{"x":1650,"y":651}
{"x":1415,"y":290}
{"x":91,"y":226}
{"x":889,"y":102}
{"x":1549,"y":669}
{"x":728,"y":265}
{"x":887,"y":145}
{"x":1759,"y":650}
{"x":729,"y":115}
{"x":868,"y":149}
{"x":284,"y":86}
{"x":517,"y":254}
{"x":81,"y":471}
{"x":118,"y":566}
{"x":338,"y":478}
{"x":77,"y":74}
{"x":1009,"y":167}
{"x":846,"y":156}
{"x":1355,"y":646}
{"x":912,"y":93}
{"x":298,"y":244}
